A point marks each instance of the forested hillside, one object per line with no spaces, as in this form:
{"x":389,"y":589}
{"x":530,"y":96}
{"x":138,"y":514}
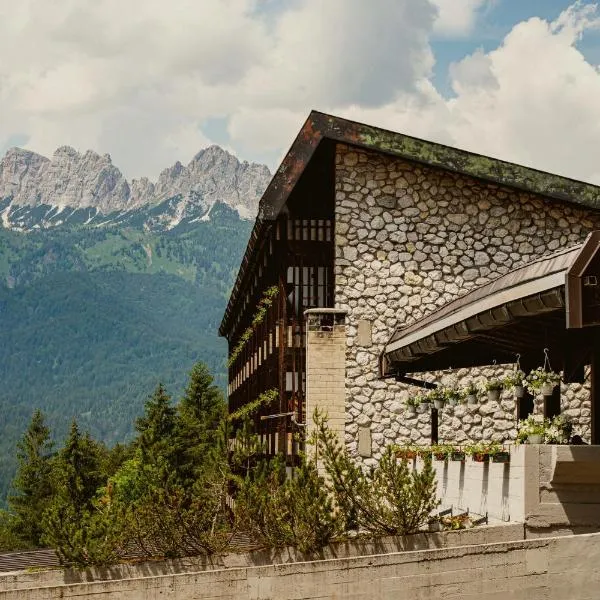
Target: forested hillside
{"x":91,"y":318}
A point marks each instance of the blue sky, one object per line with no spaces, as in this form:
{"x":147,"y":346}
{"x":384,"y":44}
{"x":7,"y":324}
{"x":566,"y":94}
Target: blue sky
{"x":151,"y":82}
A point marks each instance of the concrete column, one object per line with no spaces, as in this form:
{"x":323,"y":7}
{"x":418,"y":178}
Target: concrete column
{"x":326,"y":367}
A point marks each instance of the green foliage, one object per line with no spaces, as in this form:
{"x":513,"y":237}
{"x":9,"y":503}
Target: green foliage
{"x":68,"y":523}
{"x":390,"y":500}
{"x":94,"y":315}
{"x":261,"y":312}
{"x":251,"y":407}
{"x":33,"y":482}
{"x":277,"y":510}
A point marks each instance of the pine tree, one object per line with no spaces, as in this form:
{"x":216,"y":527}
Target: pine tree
{"x":33,"y":482}
{"x":77,"y":474}
{"x":201,"y":413}
{"x":156,"y":439}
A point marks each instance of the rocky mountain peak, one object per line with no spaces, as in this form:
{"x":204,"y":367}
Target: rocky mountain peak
{"x":90,"y":180}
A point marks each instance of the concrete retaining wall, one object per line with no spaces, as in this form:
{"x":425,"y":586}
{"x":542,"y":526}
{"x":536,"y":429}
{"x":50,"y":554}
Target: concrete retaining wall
{"x":539,"y":569}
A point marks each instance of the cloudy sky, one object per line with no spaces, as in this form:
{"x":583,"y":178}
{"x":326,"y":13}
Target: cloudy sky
{"x":152,"y":82}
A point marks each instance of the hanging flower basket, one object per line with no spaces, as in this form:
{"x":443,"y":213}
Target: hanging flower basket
{"x":547,"y":388}
{"x":469,"y":394}
{"x":535,"y":438}
{"x":542,"y":380}
{"x":411,"y":405}
{"x":424,"y":407}
{"x":493,"y":387}
{"x":515,"y":381}
{"x":439,"y":403}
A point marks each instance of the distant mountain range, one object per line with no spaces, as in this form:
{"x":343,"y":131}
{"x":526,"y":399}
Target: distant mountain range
{"x":75,"y":188}
{"x":108,"y":287}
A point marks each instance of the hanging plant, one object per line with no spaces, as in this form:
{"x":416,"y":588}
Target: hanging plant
{"x":412,"y":403}
{"x":451,"y":395}
{"x":437,"y":397}
{"x":470,"y":394}
{"x":424,"y":403}
{"x":493,"y":387}
{"x":542,"y":380}
{"x":515,"y":381}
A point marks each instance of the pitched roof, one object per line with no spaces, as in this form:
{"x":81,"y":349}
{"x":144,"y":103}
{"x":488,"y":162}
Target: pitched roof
{"x":320,"y":126}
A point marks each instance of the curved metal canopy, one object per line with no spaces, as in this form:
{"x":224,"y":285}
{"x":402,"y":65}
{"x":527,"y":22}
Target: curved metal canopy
{"x":529,"y":307}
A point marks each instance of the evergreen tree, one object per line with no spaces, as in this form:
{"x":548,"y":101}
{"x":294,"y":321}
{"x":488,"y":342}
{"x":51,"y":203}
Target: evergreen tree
{"x":77,"y":474}
{"x":201,"y":413}
{"x":33,"y":481}
{"x":156,"y":439}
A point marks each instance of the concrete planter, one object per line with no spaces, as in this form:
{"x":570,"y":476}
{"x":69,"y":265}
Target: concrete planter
{"x":534,"y":438}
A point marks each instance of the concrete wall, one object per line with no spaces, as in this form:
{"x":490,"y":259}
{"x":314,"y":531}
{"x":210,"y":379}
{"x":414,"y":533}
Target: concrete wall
{"x":409,"y":239}
{"x":550,"y":489}
{"x":540,"y":569}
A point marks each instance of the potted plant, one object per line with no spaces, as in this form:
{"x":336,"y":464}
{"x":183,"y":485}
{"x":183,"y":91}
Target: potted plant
{"x":411,"y":404}
{"x":434,"y":524}
{"x":501,"y":456}
{"x":441,"y":451}
{"x":540,"y":380}
{"x":470,"y":393}
{"x":425,"y":452}
{"x":452,"y":396}
{"x":438,"y":398}
{"x":457,"y":455}
{"x":482,"y":452}
{"x":516,"y":381}
{"x":493,"y":387}
{"x":406,"y":452}
{"x":532,"y":429}
{"x":559,"y":430}
{"x":424,"y":403}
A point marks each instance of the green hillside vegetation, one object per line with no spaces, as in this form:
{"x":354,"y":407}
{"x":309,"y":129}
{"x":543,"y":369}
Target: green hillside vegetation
{"x":92,"y":318}
{"x":166,"y":494}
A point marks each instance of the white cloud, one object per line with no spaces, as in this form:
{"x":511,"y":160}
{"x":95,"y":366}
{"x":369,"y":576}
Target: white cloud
{"x":129,"y":78}
{"x":457,"y":18}
{"x":137,"y":79}
{"x":533,"y":100}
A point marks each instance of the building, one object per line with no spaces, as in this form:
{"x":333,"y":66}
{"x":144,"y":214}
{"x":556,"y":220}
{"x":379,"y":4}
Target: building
{"x":378,"y":235}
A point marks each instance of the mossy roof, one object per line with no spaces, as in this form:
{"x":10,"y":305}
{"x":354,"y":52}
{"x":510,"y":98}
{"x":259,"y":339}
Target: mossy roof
{"x":320,"y":126}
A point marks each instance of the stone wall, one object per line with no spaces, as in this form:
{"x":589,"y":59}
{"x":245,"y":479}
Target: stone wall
{"x":409,"y":239}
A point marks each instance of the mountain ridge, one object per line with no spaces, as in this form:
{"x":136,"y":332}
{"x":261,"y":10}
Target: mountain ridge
{"x":71,"y":182}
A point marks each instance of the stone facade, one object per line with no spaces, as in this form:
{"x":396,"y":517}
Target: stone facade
{"x":409,"y":239}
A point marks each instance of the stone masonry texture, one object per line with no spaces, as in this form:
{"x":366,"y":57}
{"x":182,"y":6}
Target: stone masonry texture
{"x":411,"y":238}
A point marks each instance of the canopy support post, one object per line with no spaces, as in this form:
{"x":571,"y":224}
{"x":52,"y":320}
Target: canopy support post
{"x":595,"y":389}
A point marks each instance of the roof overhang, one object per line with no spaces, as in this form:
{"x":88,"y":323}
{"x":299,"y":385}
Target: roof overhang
{"x":549,"y":291}
{"x":320,"y":126}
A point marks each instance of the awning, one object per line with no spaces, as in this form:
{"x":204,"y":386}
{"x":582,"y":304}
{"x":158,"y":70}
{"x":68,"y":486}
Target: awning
{"x":523,"y":311}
